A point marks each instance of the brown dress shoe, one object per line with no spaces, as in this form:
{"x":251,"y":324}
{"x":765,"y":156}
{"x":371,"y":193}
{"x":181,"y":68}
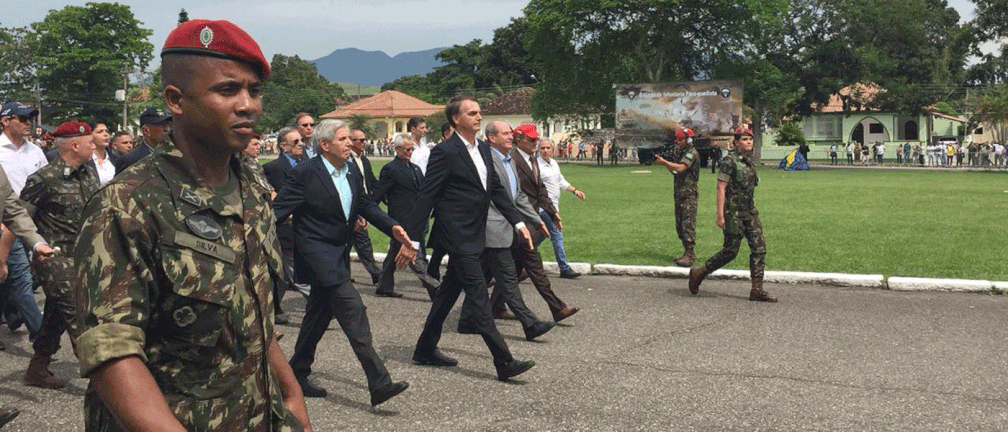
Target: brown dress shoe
{"x":38,"y":374}
{"x":762,"y":296}
{"x":564,"y":313}
{"x":504,"y":315}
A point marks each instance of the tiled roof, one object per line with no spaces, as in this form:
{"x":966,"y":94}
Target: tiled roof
{"x":388,"y":103}
{"x":517,"y":102}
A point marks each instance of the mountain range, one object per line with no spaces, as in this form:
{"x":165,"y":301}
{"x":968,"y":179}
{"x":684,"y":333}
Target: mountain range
{"x":375,"y":67}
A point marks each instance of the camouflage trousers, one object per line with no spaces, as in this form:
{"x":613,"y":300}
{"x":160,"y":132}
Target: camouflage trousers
{"x":57,"y":277}
{"x":685,"y":220}
{"x":752,"y":230}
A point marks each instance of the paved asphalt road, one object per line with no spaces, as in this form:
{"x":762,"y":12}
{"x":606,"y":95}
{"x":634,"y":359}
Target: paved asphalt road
{"x":644,"y":354}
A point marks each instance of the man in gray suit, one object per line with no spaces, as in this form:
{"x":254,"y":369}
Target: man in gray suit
{"x":497,"y":260}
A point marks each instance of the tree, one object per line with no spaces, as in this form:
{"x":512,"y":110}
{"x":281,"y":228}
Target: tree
{"x":991,"y":22}
{"x":82,"y":53}
{"x":295,"y":86}
{"x":418,"y":86}
{"x":17,"y":69}
{"x":363,"y":123}
{"x":991,"y":110}
{"x":790,"y":134}
{"x":183,"y":16}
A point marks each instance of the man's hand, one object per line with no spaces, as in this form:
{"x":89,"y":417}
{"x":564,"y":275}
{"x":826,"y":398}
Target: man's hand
{"x":660,"y":160}
{"x":400,"y":234}
{"x":406,"y":256}
{"x":542,"y":226}
{"x":361,"y":224}
{"x":579,"y":194}
{"x":559,"y":224}
{"x":720,"y":221}
{"x":524,"y":234}
{"x":3,"y":271}
{"x":43,"y":252}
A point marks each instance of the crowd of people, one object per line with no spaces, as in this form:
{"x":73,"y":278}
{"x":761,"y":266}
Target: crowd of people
{"x":166,"y":256}
{"x":938,"y":153}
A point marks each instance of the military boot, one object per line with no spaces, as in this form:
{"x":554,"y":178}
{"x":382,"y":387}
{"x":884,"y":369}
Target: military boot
{"x":687,"y":259}
{"x":697,"y":275}
{"x":757,"y":293}
{"x":38,"y":374}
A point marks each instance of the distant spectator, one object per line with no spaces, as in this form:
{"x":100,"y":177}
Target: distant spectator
{"x":850,"y":153}
{"x":879,"y":151}
{"x":832,"y":154}
{"x":899,"y":155}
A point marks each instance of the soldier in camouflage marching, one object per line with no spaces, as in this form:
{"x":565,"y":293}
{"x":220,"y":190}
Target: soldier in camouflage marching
{"x":54,"y":196}
{"x":178,"y":257}
{"x":737,"y":215}
{"x":685,"y":167}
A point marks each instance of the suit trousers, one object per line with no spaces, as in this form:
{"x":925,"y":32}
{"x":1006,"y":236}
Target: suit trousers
{"x":498,"y":265}
{"x":362,"y":244}
{"x":386,"y":282}
{"x":344,"y":303}
{"x":531,"y":262}
{"x":464,"y":274}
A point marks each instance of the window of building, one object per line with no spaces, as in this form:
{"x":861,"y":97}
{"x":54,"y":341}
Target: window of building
{"x":978,"y":131}
{"x":827,"y":127}
{"x":875,"y":128}
{"x":910,"y":131}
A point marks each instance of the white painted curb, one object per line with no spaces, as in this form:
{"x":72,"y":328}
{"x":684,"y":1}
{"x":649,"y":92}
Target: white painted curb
{"x":832,"y":279}
{"x":897,"y":283}
{"x":1001,"y":287}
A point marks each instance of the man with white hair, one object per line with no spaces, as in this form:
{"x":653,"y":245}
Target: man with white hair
{"x":555,"y":182}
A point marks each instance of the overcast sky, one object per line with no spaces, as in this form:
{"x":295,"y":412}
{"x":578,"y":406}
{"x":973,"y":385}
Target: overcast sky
{"x":314,"y":28}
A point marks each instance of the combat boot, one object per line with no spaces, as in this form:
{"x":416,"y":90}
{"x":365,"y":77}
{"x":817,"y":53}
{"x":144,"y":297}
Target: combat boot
{"x":687,"y":259}
{"x":757,"y":293}
{"x":38,"y":374}
{"x":697,"y":275}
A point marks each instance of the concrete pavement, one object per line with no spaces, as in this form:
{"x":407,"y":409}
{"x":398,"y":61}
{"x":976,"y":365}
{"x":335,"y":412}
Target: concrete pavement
{"x":644,"y":354}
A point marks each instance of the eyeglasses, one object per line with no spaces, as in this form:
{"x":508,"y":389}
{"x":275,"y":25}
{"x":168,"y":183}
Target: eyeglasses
{"x":22,"y":119}
{"x":307,"y":124}
{"x":358,"y":139}
{"x":408,"y":149}
{"x":295,"y":141}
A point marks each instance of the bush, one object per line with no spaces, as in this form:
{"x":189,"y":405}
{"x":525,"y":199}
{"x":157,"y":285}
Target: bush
{"x":790,"y":134}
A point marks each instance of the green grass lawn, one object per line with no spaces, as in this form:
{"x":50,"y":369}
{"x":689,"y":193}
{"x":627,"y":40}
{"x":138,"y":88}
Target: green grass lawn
{"x":890,"y":222}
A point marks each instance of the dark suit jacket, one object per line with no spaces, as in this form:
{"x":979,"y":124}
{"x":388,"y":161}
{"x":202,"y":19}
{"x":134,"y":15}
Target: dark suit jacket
{"x":276,"y":174}
{"x":398,"y":186}
{"x":455,"y":193}
{"x":533,"y":185}
{"x":322,"y":231}
{"x":369,"y":178}
{"x":132,"y":157}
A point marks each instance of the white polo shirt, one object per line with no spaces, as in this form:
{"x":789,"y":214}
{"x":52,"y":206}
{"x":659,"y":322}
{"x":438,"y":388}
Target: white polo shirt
{"x":19,"y":163}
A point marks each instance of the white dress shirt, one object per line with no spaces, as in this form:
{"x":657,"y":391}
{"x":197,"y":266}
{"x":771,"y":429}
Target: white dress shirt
{"x":105,"y":169}
{"x":360,"y":167}
{"x":553,"y":179}
{"x":19,"y":163}
{"x":477,"y":159}
{"x":421,"y":153}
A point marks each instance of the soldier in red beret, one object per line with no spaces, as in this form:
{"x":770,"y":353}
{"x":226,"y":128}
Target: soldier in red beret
{"x":178,"y":257}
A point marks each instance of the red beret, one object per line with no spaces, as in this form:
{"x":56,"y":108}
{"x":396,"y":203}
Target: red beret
{"x":683,"y":133}
{"x":742,"y":130}
{"x":528,"y":130}
{"x":72,"y":129}
{"x":218,"y":39}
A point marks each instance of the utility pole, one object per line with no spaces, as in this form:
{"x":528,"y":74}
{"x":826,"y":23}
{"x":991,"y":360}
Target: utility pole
{"x":125,"y":89}
{"x":38,"y":97}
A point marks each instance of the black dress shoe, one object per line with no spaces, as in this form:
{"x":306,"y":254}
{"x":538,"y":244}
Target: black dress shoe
{"x":14,"y":321}
{"x":434,"y":359}
{"x":311,"y":390}
{"x":513,"y":368}
{"x":8,"y":414}
{"x":281,"y":318}
{"x":538,"y":329}
{"x":569,"y":274}
{"x":388,"y":392}
{"x":388,"y":294}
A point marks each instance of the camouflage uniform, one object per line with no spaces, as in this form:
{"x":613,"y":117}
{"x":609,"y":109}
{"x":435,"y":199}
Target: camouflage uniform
{"x":686,"y":193}
{"x":55,"y":195}
{"x":740,"y":215}
{"x":181,"y":275}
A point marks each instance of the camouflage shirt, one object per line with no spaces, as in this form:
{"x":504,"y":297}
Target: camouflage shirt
{"x":740,"y":173}
{"x":686,"y":181}
{"x":183,"y":278}
{"x":55,"y":195}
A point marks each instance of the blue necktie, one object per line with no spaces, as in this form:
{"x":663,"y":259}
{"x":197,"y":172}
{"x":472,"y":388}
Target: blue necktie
{"x":511,"y":177}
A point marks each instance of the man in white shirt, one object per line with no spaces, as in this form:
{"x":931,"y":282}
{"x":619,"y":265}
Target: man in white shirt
{"x":104,"y":160}
{"x":421,"y":151}
{"x":555,"y":182}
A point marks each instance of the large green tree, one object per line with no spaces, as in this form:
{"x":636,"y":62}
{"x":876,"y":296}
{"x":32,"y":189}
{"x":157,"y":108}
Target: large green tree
{"x":17,"y":68}
{"x":81,"y":54}
{"x":295,"y":86}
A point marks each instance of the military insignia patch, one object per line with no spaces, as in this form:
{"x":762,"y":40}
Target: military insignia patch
{"x":191,"y":197}
{"x":82,"y":129}
{"x":206,"y":37}
{"x":204,"y":226}
{"x":184,"y":316}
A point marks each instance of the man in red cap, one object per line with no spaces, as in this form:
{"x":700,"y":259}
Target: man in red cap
{"x":177,"y":259}
{"x":737,"y":215}
{"x":685,"y":168}
{"x":54,"y":196}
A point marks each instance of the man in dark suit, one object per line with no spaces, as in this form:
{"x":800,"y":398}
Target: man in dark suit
{"x":529,"y":260}
{"x":398,"y":185}
{"x":458,"y":186}
{"x":500,"y":237}
{"x":155,"y":125}
{"x":291,"y":151}
{"x":326,"y":194}
{"x":361,"y":239}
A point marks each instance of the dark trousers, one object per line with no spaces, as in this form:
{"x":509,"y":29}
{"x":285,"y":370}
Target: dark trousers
{"x":532,"y":263}
{"x":362,"y":244}
{"x":344,"y":303}
{"x":499,"y":265}
{"x":464,"y":274}
{"x":386,"y":281}
{"x":434,"y":267}
{"x":57,"y":277}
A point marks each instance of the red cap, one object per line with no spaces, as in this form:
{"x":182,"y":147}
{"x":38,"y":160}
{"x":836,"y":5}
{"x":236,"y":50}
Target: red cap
{"x":683,"y":133}
{"x":742,"y":130}
{"x":528,"y":130}
{"x":218,"y":39}
{"x":72,"y":129}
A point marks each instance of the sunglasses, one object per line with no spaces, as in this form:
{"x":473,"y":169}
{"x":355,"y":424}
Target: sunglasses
{"x":22,"y":119}
{"x":307,"y":124}
{"x":358,"y":139}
